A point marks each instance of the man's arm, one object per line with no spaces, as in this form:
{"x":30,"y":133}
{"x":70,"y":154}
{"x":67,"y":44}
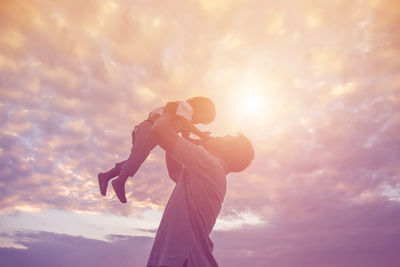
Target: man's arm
{"x":174,"y":167}
{"x":164,"y":132}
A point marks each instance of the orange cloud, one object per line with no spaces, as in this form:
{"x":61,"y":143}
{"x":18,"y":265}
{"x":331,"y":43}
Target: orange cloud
{"x":314,"y":85}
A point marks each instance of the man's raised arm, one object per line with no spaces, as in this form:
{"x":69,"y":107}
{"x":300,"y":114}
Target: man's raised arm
{"x":164,"y":132}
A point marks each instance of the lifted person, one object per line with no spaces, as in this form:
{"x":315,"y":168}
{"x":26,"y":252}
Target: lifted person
{"x":186,"y":113}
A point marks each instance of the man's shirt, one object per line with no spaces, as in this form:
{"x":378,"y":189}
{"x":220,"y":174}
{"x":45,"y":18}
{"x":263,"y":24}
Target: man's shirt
{"x":191,"y":212}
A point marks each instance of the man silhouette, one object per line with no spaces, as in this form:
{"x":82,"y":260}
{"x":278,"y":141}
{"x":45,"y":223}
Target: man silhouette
{"x":199,"y":171}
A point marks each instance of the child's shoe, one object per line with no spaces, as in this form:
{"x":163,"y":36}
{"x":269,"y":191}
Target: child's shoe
{"x":119,"y":188}
{"x":103,"y":183}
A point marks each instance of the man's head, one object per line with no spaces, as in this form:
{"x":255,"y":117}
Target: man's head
{"x":235,"y":150}
{"x":203,"y":109}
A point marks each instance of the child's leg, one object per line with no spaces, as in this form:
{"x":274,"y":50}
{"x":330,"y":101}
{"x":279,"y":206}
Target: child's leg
{"x":141,"y":148}
{"x":114,"y":172}
{"x":105,"y":177}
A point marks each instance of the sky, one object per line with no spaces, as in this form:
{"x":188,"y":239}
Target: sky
{"x":314,"y":84}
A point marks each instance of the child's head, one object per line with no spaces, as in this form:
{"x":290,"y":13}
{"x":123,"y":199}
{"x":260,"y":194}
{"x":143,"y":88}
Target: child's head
{"x":203,"y":109}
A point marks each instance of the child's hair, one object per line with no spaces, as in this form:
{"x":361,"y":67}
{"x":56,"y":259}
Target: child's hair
{"x":204,"y":106}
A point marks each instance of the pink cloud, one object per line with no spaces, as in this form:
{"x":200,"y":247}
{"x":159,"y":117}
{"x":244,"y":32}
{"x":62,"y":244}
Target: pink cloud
{"x":75,"y":79}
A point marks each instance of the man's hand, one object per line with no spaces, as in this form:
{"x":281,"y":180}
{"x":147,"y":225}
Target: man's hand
{"x":185,"y":134}
{"x":205,"y":135}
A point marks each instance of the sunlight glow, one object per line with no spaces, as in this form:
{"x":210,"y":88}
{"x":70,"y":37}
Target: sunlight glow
{"x":251,"y":104}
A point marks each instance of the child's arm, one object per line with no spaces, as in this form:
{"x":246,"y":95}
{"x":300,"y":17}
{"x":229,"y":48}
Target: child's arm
{"x":189,"y":127}
{"x":186,"y":126}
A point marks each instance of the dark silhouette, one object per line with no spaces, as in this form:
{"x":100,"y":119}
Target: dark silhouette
{"x":193,"y":111}
{"x":200,"y":173}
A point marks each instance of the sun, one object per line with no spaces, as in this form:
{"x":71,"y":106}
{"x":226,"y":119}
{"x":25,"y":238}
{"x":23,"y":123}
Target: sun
{"x":251,"y":104}
{"x":246,"y":106}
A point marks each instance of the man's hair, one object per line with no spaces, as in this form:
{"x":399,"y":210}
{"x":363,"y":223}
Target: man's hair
{"x":204,"y":106}
{"x":240,"y":153}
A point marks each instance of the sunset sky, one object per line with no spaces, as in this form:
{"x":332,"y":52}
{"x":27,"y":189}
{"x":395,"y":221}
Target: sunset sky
{"x":314,"y":84}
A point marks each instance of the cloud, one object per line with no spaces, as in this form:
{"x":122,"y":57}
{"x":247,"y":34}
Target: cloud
{"x":49,"y":249}
{"x":76,"y":79}
{"x":320,"y":235}
{"x":340,"y":237}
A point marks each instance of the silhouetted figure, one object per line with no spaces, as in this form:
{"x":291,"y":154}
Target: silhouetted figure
{"x":193,"y":111}
{"x":200,"y":173}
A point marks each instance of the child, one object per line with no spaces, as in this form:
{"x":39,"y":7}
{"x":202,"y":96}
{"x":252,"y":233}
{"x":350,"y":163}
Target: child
{"x":193,"y":111}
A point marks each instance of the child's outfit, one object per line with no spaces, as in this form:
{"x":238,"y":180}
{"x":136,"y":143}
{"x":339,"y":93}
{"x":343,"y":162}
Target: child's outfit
{"x":142,"y":143}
